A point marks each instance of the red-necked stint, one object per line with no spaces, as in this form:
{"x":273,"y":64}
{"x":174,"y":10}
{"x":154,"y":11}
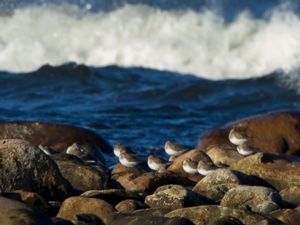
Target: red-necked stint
{"x":190,"y":166}
{"x":119,"y":148}
{"x":157,"y":163}
{"x":205,"y":165}
{"x":246,"y":150}
{"x":237,"y":137}
{"x":129,"y":160}
{"x":76,"y":150}
{"x":174,"y":149}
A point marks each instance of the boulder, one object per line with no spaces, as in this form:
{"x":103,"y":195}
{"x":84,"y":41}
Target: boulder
{"x":24,"y":166}
{"x":13,"y":212}
{"x":130,"y":205}
{"x":217,"y":183}
{"x":291,"y":195}
{"x":55,"y":136}
{"x":290,"y":216}
{"x":223,"y":154}
{"x":73,"y":206}
{"x":277,"y":132}
{"x":114,"y":196}
{"x":203,"y":215}
{"x":149,"y":220}
{"x":279,"y":173}
{"x":147,"y":182}
{"x":31,"y":199}
{"x":254,"y":198}
{"x":81,"y":176}
{"x":174,"y":197}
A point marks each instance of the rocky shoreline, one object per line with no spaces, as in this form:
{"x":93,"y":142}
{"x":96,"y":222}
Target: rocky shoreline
{"x":62,"y":189}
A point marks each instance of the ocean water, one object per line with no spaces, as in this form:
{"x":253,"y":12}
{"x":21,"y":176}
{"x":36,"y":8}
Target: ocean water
{"x":142,"y":72}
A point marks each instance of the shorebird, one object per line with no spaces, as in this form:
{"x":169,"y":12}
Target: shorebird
{"x":237,"y":137}
{"x":172,"y":158}
{"x":190,"y":166}
{"x":245,"y":149}
{"x":129,"y":160}
{"x":157,"y":163}
{"x":205,"y":164}
{"x":45,"y":149}
{"x":119,"y":148}
{"x":174,"y":149}
{"x":77,"y":150}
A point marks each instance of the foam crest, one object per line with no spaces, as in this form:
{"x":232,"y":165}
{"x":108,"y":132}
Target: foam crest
{"x":200,"y":43}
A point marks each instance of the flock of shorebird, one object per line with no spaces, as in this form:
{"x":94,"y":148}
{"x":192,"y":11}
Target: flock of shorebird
{"x":200,"y":163}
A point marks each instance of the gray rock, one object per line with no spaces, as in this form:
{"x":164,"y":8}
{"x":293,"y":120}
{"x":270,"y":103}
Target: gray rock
{"x":255,"y":198}
{"x":223,"y":154}
{"x":130,"y":205}
{"x":217,"y":183}
{"x":210,"y":215}
{"x":174,"y":197}
{"x":13,"y":212}
{"x":24,"y":166}
{"x":90,"y":206}
{"x":148,"y":220}
{"x":82,"y":177}
{"x":291,"y":195}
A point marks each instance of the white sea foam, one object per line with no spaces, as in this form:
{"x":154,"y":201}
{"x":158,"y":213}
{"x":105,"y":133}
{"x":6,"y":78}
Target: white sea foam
{"x":200,"y":43}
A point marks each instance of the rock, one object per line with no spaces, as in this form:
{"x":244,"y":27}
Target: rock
{"x":228,"y":221}
{"x":152,"y":212}
{"x":82,"y":205}
{"x":59,"y":221}
{"x":149,"y":220}
{"x":291,"y":195}
{"x":147,"y":182}
{"x":174,"y":197}
{"x":120,"y":169}
{"x":81,"y":176}
{"x":13,"y":212}
{"x":279,"y":173}
{"x":24,"y":166}
{"x":217,"y":183}
{"x":223,"y":154}
{"x":277,"y":132}
{"x":88,"y":219}
{"x":114,"y":196}
{"x":31,"y":199}
{"x":203,"y":215}
{"x":290,"y":216}
{"x":56,"y":136}
{"x":254,"y":198}
{"x":130,"y":205}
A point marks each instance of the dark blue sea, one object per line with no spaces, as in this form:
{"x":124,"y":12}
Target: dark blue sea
{"x":140,"y":72}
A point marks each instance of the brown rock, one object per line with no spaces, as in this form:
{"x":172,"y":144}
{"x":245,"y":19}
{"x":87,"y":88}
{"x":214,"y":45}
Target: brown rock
{"x":13,"y":212}
{"x":275,"y":132}
{"x":81,"y":176}
{"x":291,"y":195}
{"x":203,"y":215}
{"x":56,"y":136}
{"x":24,"y":166}
{"x":31,"y":199}
{"x":149,"y":181}
{"x":152,"y":212}
{"x":290,"y":216}
{"x":148,"y":220}
{"x":114,"y":196}
{"x":254,"y":198}
{"x":174,"y":197}
{"x":279,"y":173}
{"x":130,"y":205}
{"x":82,"y":205}
{"x":223,"y":154}
{"x":217,"y":183}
